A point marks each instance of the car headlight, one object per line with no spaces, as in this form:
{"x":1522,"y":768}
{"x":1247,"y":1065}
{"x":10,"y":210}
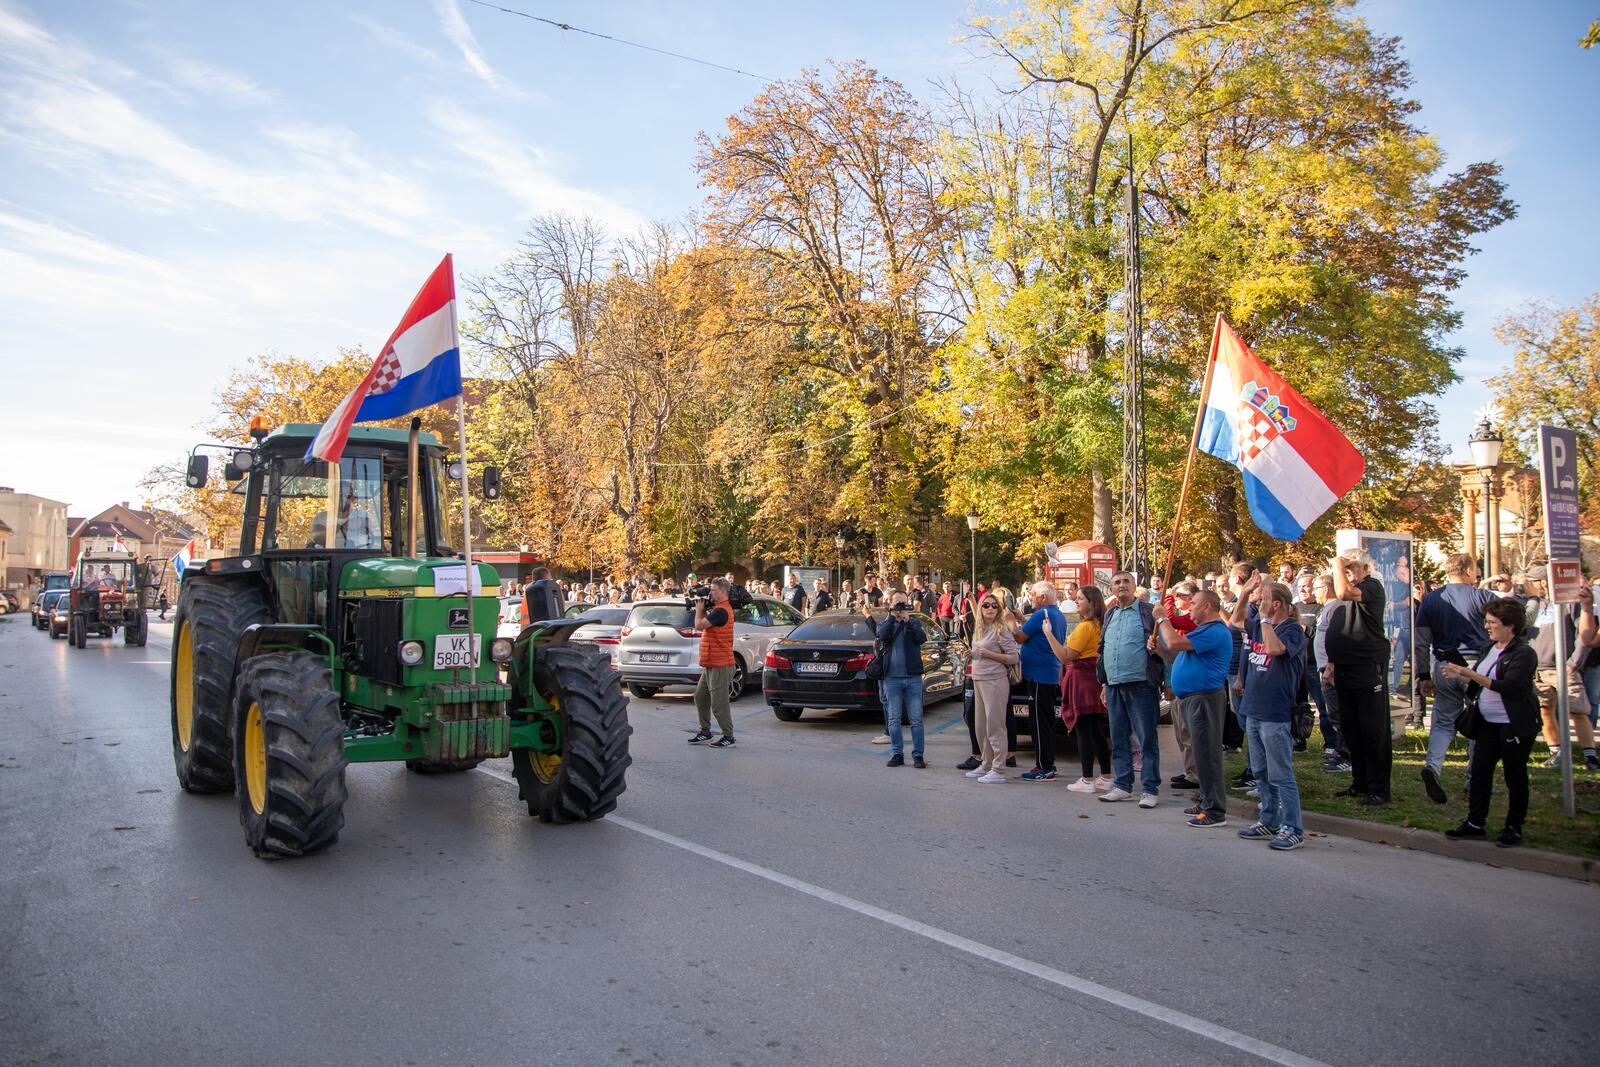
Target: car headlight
{"x":500,"y":650}
{"x":411,"y":653}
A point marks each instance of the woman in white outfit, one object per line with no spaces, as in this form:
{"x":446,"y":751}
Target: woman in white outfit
{"x":994,"y":650}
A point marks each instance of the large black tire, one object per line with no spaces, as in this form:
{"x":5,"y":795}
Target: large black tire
{"x":585,"y":779}
{"x":136,"y":630}
{"x":212,"y":615}
{"x":422,"y":766}
{"x":288,"y":754}
{"x":643,"y":692}
{"x":80,"y":632}
{"x":786,"y":714}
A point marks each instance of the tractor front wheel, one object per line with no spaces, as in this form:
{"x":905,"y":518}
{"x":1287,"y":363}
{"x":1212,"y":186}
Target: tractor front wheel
{"x":80,"y":632}
{"x":288,"y":754}
{"x":136,"y":630}
{"x":584,"y":779}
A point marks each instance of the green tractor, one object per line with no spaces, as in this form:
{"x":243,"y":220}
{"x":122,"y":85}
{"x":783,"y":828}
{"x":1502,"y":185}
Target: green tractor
{"x":342,"y":632}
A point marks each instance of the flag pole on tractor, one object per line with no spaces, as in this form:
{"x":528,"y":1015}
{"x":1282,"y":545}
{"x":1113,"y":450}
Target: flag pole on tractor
{"x":417,"y":367}
{"x":1294,"y":462}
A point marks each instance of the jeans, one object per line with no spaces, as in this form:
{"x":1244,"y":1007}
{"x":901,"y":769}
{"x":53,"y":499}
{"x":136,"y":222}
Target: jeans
{"x":1327,"y":711}
{"x":1272,"y":758}
{"x":1399,"y":658}
{"x":1591,"y":687}
{"x":1449,"y":695}
{"x":902,"y":695}
{"x":1134,"y":709}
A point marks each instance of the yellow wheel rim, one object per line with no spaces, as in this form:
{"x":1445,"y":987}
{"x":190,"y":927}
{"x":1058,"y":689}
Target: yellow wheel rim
{"x":255,"y":759}
{"x":183,"y":689}
{"x":546,"y":765}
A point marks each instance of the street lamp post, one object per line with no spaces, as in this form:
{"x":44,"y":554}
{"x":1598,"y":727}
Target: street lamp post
{"x":838,"y":558}
{"x":1485,"y":445}
{"x":974,"y":522}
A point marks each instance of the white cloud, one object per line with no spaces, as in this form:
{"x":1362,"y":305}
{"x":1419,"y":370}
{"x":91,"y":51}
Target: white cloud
{"x":393,"y":38}
{"x":460,"y":34}
{"x":212,"y":80}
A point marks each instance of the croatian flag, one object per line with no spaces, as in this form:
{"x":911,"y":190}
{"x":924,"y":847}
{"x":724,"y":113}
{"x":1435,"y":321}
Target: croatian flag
{"x":419,"y":365}
{"x":184,"y":557}
{"x":118,"y":544}
{"x":1296,"y":464}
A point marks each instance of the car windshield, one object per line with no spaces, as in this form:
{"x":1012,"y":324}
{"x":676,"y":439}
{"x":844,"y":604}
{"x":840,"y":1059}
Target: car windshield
{"x":674,"y":615}
{"x":832,"y":628}
{"x":609,"y":615}
{"x":511,"y":609}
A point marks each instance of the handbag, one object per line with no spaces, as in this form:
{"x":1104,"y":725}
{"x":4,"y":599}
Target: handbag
{"x":1014,"y":672}
{"x":1471,"y":723}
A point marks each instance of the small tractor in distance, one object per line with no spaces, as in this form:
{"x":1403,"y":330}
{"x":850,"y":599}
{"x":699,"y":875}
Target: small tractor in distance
{"x":108,"y":592}
{"x":342,"y":633}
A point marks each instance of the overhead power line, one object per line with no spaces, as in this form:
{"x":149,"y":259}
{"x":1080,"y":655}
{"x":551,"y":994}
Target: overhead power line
{"x":618,"y":40}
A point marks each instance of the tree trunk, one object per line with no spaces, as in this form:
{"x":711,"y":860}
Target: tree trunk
{"x":1227,"y":501}
{"x":1103,"y":528}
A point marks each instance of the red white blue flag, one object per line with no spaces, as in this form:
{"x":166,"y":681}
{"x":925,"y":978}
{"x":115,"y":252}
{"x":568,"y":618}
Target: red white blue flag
{"x":1296,"y":464}
{"x":418,"y":366}
{"x":184,"y":557}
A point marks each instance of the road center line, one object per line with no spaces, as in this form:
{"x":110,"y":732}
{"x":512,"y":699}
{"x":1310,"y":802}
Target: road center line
{"x":1182,"y":1021}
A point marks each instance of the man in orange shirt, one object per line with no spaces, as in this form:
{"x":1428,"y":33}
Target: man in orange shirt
{"x":714,"y":620}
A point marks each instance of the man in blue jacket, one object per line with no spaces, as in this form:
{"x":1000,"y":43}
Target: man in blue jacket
{"x":898,"y":642}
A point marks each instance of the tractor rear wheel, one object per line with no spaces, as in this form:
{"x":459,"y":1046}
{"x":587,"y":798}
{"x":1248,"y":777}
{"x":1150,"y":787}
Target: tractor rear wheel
{"x":288,"y":754}
{"x":585,"y":778}
{"x":136,"y":630}
{"x":212,"y":615}
{"x":80,"y":632}
{"x":422,"y":766}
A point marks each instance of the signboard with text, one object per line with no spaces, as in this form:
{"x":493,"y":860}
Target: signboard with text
{"x":1558,"y":483}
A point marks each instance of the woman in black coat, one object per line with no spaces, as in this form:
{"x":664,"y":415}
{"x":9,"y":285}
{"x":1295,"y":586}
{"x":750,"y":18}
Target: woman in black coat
{"x":1501,"y":682}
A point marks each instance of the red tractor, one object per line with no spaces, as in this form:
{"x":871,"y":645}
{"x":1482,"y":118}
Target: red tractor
{"x":109,"y":592}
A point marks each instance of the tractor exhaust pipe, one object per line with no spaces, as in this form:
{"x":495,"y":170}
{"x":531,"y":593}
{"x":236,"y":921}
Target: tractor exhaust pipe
{"x":415,"y":489}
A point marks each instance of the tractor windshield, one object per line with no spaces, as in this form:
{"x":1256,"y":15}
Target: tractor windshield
{"x":364,"y":496}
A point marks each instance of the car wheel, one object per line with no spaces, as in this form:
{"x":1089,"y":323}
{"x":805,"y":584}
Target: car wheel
{"x":787,"y":714}
{"x":736,"y":682}
{"x":643,"y":692}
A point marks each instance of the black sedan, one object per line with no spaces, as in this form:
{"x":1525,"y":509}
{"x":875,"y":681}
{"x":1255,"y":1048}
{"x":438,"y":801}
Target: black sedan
{"x":822,"y":663}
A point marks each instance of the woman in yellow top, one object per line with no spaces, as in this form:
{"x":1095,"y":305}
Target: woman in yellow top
{"x":1082,"y":709}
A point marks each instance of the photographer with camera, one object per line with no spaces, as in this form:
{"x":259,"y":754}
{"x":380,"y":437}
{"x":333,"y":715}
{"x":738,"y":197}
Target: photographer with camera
{"x":713,"y":617}
{"x":897,"y":666}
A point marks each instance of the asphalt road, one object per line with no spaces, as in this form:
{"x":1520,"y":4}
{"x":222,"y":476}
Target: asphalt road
{"x":789,"y":901}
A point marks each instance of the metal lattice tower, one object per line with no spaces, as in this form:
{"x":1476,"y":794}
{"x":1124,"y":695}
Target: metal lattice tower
{"x":1136,"y":543}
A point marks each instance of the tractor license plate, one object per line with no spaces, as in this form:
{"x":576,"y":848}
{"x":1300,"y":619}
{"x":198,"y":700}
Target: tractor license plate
{"x":655,"y":657}
{"x":1020,"y":711}
{"x":816,"y":668}
{"x":454,"y":650}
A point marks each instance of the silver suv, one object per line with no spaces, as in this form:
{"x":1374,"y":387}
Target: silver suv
{"x":659,"y":646}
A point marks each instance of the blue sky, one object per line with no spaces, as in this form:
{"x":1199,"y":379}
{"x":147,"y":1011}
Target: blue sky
{"x":184,"y":184}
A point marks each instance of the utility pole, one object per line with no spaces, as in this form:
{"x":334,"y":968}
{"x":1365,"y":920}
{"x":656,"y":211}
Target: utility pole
{"x":1136,"y":541}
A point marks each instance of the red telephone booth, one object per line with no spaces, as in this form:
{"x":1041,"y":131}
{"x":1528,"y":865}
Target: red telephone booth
{"x":1084,"y":562}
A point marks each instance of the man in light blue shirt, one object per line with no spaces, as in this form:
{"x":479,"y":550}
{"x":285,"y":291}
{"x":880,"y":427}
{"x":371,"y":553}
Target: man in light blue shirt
{"x":1132,"y":677}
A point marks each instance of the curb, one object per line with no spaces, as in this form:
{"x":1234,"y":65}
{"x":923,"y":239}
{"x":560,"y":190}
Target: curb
{"x":1521,"y":858}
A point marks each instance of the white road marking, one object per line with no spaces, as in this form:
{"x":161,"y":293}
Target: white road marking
{"x":1182,"y":1021}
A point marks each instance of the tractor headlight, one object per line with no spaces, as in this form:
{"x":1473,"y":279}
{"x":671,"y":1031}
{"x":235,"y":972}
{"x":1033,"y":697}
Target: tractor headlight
{"x":411,"y":653}
{"x":500,"y":650}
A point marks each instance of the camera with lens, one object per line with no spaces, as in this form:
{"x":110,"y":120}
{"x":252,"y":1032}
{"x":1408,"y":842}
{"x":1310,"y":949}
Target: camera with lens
{"x":738,"y":596}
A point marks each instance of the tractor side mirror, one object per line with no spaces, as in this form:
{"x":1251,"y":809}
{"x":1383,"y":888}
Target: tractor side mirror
{"x":199,"y":468}
{"x":491,"y":483}
{"x":231,"y":472}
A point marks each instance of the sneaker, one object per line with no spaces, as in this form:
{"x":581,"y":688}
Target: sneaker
{"x":1103,"y":783}
{"x":1193,"y":809}
{"x":1373,"y":800}
{"x":1148,"y":801}
{"x":1037,"y":775}
{"x":881,"y":739}
{"x":1254,"y":792}
{"x":1350,"y":791}
{"x":1553,"y":762}
{"x":723,"y":742}
{"x":1082,"y":785}
{"x":1337,"y":766}
{"x":1510,"y":837}
{"x":1466,"y":831}
{"x":896,"y":760}
{"x":1259,"y":832}
{"x":1011,"y":761}
{"x":1329,"y":753}
{"x":700,"y":738}
{"x":992,"y":778}
{"x":1183,"y":781}
{"x":1244,"y":781}
{"x":1115,"y":795}
{"x":971,"y":763}
{"x":1591,"y":760}
{"x":1287,"y":839}
{"x":1203,"y":820}
{"x":919,"y":763}
{"x":1430,"y":782}
{"x":977,"y":772}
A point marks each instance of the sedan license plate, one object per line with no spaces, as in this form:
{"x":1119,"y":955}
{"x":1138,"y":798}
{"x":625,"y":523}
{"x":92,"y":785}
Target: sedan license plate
{"x":816,"y":668}
{"x":1020,"y":711}
{"x":451,"y":650}
{"x":655,"y":657}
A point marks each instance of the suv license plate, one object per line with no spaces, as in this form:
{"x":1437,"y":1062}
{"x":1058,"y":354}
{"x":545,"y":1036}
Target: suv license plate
{"x":655,"y":657}
{"x":450,"y":651}
{"x":1020,"y":711}
{"x":816,"y":668}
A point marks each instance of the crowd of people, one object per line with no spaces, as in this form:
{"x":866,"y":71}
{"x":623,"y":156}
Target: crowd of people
{"x":1239,"y":660}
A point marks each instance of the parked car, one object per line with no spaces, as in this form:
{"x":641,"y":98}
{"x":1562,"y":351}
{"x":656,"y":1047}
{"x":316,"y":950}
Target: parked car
{"x":822,"y":663}
{"x":9,"y":604}
{"x":602,"y":628}
{"x":659,"y":645}
{"x":42,"y":605}
{"x":576,"y":608}
{"x":60,"y":617}
{"x":510,"y":617}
